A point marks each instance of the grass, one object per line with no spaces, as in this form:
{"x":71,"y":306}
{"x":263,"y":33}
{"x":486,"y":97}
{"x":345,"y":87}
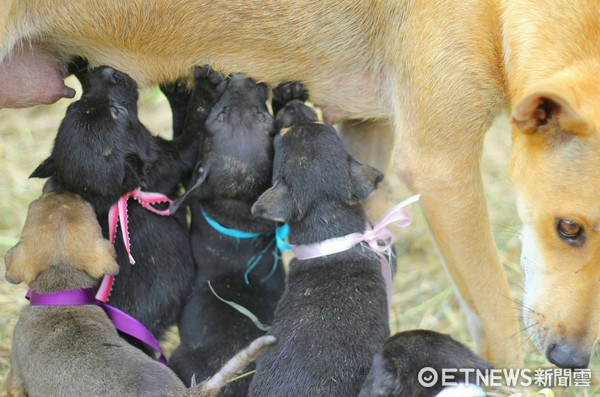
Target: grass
{"x":423,"y":296}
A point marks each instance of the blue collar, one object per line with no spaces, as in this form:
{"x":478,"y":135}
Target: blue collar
{"x":281,"y":232}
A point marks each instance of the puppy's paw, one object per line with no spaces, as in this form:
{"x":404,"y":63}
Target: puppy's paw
{"x":176,"y":90}
{"x":286,"y":92}
{"x":178,"y":94}
{"x":209,"y":74}
{"x":207,"y":82}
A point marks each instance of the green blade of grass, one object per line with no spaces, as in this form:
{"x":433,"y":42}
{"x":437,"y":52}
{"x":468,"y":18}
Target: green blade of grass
{"x":434,"y":300}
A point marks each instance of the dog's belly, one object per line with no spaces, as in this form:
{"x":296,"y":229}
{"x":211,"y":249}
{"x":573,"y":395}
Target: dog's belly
{"x":329,"y":47}
{"x":343,"y":91}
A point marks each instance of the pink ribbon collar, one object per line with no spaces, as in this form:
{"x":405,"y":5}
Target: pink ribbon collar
{"x":118,"y":211}
{"x":379,"y":238}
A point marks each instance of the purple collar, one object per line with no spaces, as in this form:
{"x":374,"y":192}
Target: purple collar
{"x":86,"y":296}
{"x":79,"y":296}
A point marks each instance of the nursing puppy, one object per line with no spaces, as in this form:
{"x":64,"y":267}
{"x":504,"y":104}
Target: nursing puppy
{"x":436,"y":74}
{"x":395,"y":370}
{"x":102,"y":152}
{"x":234,"y":167}
{"x":332,"y":318}
{"x":74,"y":349}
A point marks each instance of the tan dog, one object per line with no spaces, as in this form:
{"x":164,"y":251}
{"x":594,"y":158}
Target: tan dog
{"x":75,"y":350}
{"x":437,"y":73}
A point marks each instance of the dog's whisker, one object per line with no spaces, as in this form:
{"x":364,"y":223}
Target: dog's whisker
{"x":518,"y":303}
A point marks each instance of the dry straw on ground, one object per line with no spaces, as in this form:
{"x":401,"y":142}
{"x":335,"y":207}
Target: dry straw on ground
{"x":423,"y":295}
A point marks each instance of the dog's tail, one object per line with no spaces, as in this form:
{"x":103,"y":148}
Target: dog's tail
{"x":213,"y":385}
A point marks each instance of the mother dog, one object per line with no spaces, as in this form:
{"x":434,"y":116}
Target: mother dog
{"x":436,"y":73}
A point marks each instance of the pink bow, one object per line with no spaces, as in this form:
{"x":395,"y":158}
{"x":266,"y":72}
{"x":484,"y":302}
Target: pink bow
{"x":379,"y":238}
{"x":118,"y":211}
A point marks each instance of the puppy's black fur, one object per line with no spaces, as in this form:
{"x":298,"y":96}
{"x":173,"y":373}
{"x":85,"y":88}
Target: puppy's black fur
{"x":101,"y":152}
{"x":234,"y":168}
{"x":395,"y":370}
{"x":332,"y":318}
{"x":178,"y":95}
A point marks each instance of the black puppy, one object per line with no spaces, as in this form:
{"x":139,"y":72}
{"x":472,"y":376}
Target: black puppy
{"x":235,"y":251}
{"x":102,"y":152}
{"x":396,"y":369}
{"x":332,"y":318}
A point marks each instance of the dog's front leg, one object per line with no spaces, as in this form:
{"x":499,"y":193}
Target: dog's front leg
{"x":453,"y":201}
{"x":445,"y":170}
{"x":455,"y":209}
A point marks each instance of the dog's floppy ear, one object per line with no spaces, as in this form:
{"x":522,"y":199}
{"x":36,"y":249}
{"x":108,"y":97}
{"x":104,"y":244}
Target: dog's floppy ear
{"x":545,"y":102}
{"x":98,"y":258}
{"x":16,"y":269}
{"x":82,"y":244}
{"x":33,"y":252}
{"x":45,"y":170}
{"x":364,"y":179}
{"x":275,"y":204}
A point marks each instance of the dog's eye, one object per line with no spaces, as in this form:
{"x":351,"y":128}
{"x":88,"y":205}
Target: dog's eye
{"x":570,"y":231}
{"x":117,"y":110}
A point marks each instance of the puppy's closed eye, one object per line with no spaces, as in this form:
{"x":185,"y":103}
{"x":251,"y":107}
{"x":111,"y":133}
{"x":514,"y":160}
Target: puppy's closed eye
{"x":118,"y":111}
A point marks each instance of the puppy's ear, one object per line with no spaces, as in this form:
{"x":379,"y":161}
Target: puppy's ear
{"x":9,"y":259}
{"x":364,"y":179}
{"x":275,"y":204}
{"x":20,"y":267}
{"x":82,"y":245}
{"x":547,"y":102}
{"x":98,"y":259}
{"x":45,"y":170}
{"x":196,"y":191}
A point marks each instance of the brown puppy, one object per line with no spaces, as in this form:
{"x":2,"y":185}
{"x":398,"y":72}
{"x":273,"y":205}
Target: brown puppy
{"x":75,"y":350}
{"x":437,"y":73}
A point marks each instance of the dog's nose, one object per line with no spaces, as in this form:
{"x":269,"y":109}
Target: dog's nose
{"x":565,"y":355}
{"x":237,"y":77}
{"x":238,"y":81}
{"x":108,"y":74}
{"x":113,"y":76}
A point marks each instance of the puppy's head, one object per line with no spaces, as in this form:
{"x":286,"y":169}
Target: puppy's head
{"x":555,"y":171}
{"x":395,"y":371}
{"x":312,"y":165}
{"x":236,"y":141}
{"x":60,"y":231}
{"x":101,"y":147}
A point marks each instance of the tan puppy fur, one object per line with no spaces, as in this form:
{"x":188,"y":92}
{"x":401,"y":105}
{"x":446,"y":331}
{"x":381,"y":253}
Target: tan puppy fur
{"x":436,"y":72}
{"x":75,"y":350}
{"x":60,"y":229}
